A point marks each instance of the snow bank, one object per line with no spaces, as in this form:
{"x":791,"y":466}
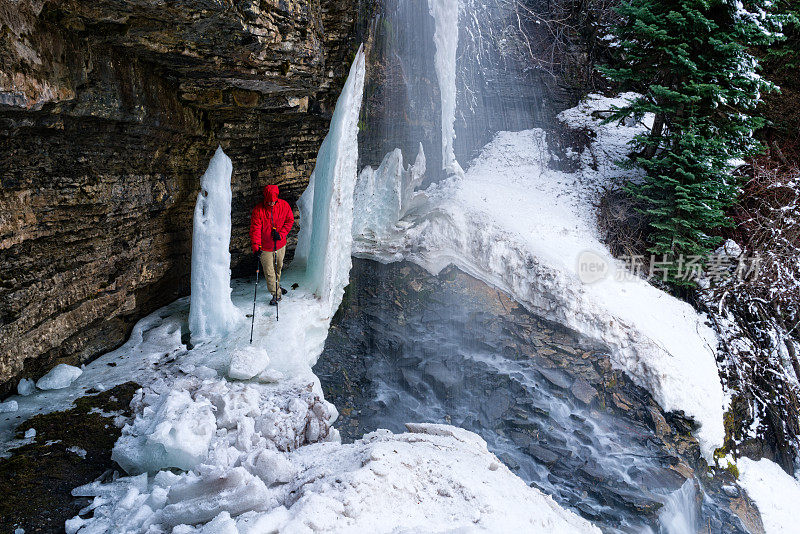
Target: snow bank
{"x":435,"y":478}
{"x":211,"y":312}
{"x":526,"y":229}
{"x":59,"y":377}
{"x":775,"y":493}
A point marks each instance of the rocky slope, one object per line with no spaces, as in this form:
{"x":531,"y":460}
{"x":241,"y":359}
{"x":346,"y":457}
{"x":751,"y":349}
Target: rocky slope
{"x":109,"y":113}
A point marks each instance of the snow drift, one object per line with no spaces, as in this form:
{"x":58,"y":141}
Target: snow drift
{"x":774,"y":491}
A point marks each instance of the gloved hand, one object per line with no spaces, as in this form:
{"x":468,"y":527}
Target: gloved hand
{"x":275,"y":235}
{"x":258,"y":253}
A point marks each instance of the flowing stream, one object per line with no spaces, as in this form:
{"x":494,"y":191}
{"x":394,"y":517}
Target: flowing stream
{"x":410,"y":347}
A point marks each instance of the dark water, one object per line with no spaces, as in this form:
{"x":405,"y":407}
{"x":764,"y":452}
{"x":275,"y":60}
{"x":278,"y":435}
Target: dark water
{"x":406,"y":346}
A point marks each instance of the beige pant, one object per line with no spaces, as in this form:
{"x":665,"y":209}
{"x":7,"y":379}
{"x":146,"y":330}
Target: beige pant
{"x":268,"y":262}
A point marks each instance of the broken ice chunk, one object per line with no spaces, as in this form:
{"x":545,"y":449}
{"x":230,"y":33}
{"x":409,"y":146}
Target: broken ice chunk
{"x":176,"y":433}
{"x":272,"y":467}
{"x":270,"y":376}
{"x":59,"y":377}
{"x":77,"y":450}
{"x":247,"y":362}
{"x":233,"y":406}
{"x":26,"y":386}
{"x":199,"y":499}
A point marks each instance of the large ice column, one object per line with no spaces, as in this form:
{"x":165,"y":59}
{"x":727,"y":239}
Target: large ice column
{"x":211,"y":312}
{"x":326,"y":207}
{"x":445,"y":16}
{"x":384,"y":195}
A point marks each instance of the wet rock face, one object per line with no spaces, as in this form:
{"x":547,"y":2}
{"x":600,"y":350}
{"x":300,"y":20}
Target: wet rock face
{"x":408,"y":346}
{"x":109,"y":114}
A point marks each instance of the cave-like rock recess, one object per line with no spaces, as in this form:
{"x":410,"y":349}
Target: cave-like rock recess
{"x":109,"y":114}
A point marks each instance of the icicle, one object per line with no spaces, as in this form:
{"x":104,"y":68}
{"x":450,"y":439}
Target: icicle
{"x":445,"y":15}
{"x":326,"y":207}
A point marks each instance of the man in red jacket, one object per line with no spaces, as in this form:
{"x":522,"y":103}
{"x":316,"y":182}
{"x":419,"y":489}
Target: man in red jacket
{"x":270,"y":223}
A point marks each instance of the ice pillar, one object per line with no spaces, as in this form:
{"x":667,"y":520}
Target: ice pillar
{"x":211,"y":312}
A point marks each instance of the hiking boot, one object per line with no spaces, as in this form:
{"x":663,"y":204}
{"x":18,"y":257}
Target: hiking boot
{"x":273,"y":302}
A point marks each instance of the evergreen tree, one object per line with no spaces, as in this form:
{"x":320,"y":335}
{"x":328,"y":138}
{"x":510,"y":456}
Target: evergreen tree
{"x":786,"y":57}
{"x":689,"y":61}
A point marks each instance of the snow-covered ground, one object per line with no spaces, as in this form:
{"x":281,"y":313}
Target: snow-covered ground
{"x":531,"y":231}
{"x":435,"y":478}
{"x":775,"y":493}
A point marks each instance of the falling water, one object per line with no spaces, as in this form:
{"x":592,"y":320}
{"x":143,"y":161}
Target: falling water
{"x":679,"y":514}
{"x":448,"y":74}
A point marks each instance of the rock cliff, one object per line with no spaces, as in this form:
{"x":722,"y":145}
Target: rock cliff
{"x":109,"y":113}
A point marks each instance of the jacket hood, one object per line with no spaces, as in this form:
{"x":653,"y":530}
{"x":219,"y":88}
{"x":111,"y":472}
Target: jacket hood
{"x":271,"y":193}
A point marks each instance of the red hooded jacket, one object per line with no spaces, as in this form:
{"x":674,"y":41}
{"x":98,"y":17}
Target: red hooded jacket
{"x":264,"y":218}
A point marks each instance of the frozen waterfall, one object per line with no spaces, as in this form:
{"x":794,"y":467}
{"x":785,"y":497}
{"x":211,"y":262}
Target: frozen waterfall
{"x":445,"y":15}
{"x":326,"y":206}
{"x":211,"y":312}
{"x":384,"y":195}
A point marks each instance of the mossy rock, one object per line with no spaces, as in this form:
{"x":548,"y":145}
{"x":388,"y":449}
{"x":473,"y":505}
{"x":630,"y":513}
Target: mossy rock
{"x":37,"y":480}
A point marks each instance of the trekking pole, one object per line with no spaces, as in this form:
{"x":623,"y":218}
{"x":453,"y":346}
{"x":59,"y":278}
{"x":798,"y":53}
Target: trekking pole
{"x":255,"y":294}
{"x":277,"y":287}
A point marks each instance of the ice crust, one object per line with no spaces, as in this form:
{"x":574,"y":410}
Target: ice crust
{"x":520,"y":226}
{"x":211,"y":312}
{"x":59,"y":377}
